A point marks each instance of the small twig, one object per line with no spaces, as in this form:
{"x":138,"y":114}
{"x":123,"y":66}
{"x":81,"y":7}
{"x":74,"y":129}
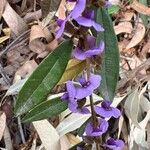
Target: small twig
{"x":19,"y":38}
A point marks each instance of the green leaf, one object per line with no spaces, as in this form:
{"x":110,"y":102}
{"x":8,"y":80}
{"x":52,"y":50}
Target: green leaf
{"x":44,"y":78}
{"x":46,"y":110}
{"x":142,"y":16}
{"x":113,"y":9}
{"x":110,"y":57}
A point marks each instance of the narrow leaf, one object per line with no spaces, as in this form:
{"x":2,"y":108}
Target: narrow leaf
{"x":110,"y":57}
{"x":47,"y":134}
{"x":44,"y":78}
{"x":45,"y":110}
{"x":72,"y":122}
{"x":132,"y":107}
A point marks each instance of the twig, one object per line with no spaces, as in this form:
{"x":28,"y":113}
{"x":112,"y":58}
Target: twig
{"x":19,"y":38}
{"x":132,"y":74}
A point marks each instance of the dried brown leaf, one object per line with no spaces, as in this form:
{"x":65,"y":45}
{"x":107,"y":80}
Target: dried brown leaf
{"x":140,"y":8}
{"x":123,"y":27}
{"x":64,"y":142}
{"x":14,"y":21}
{"x":2,"y":124}
{"x":35,"y":44}
{"x":47,"y":134}
{"x":138,"y":36}
{"x":2,"y":6}
{"x":25,"y":70}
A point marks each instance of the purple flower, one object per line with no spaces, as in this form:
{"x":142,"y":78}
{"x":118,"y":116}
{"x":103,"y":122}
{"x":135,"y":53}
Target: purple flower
{"x":99,"y":130}
{"x":78,"y":9}
{"x":88,"y":21}
{"x":76,"y":109}
{"x":106,"y":110}
{"x":87,"y":86}
{"x":61,"y":23}
{"x":114,"y":144}
{"x":69,"y":96}
{"x":80,"y":54}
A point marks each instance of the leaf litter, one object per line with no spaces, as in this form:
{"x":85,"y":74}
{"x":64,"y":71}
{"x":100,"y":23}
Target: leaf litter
{"x":26,"y":38}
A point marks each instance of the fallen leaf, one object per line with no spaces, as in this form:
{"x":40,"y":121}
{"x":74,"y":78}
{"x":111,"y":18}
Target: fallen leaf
{"x":138,"y":36}
{"x":35,"y":44}
{"x":32,"y":16}
{"x":14,"y":21}
{"x":47,"y":134}
{"x":71,"y":123}
{"x":64,"y":142}
{"x":73,"y":139}
{"x":140,"y":8}
{"x":131,"y":107}
{"x":2,"y":124}
{"x":25,"y":70}
{"x":123,"y":27}
{"x":2,"y":7}
{"x":7,"y":139}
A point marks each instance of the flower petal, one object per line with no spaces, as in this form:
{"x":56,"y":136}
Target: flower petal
{"x":99,"y":130}
{"x":91,"y":41}
{"x":61,"y":30}
{"x":72,"y":107}
{"x":71,"y":90}
{"x":116,"y":112}
{"x":102,"y":112}
{"x":78,"y":9}
{"x":94,"y":82}
{"x":97,"y":26}
{"x":79,"y":54}
{"x":84,"y":21}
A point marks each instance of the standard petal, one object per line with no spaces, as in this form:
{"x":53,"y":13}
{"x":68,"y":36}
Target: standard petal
{"x":97,"y":26}
{"x":91,"y":41}
{"x":61,"y":30}
{"x":78,"y":9}
{"x":71,"y":90}
{"x":103,"y":125}
{"x":84,"y":110}
{"x":116,"y":112}
{"x":89,"y":129}
{"x":79,"y":54}
{"x":84,"y":21}
{"x":72,"y":107}
{"x":95,"y":81}
{"x":83,"y":92}
{"x":102,"y":112}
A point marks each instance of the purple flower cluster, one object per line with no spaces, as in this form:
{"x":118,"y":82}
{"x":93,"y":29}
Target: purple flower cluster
{"x":76,"y":92}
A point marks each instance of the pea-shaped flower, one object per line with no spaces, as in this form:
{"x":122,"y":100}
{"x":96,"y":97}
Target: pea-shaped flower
{"x":113,"y":144}
{"x":106,"y":110}
{"x":101,"y":128}
{"x":93,"y":50}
